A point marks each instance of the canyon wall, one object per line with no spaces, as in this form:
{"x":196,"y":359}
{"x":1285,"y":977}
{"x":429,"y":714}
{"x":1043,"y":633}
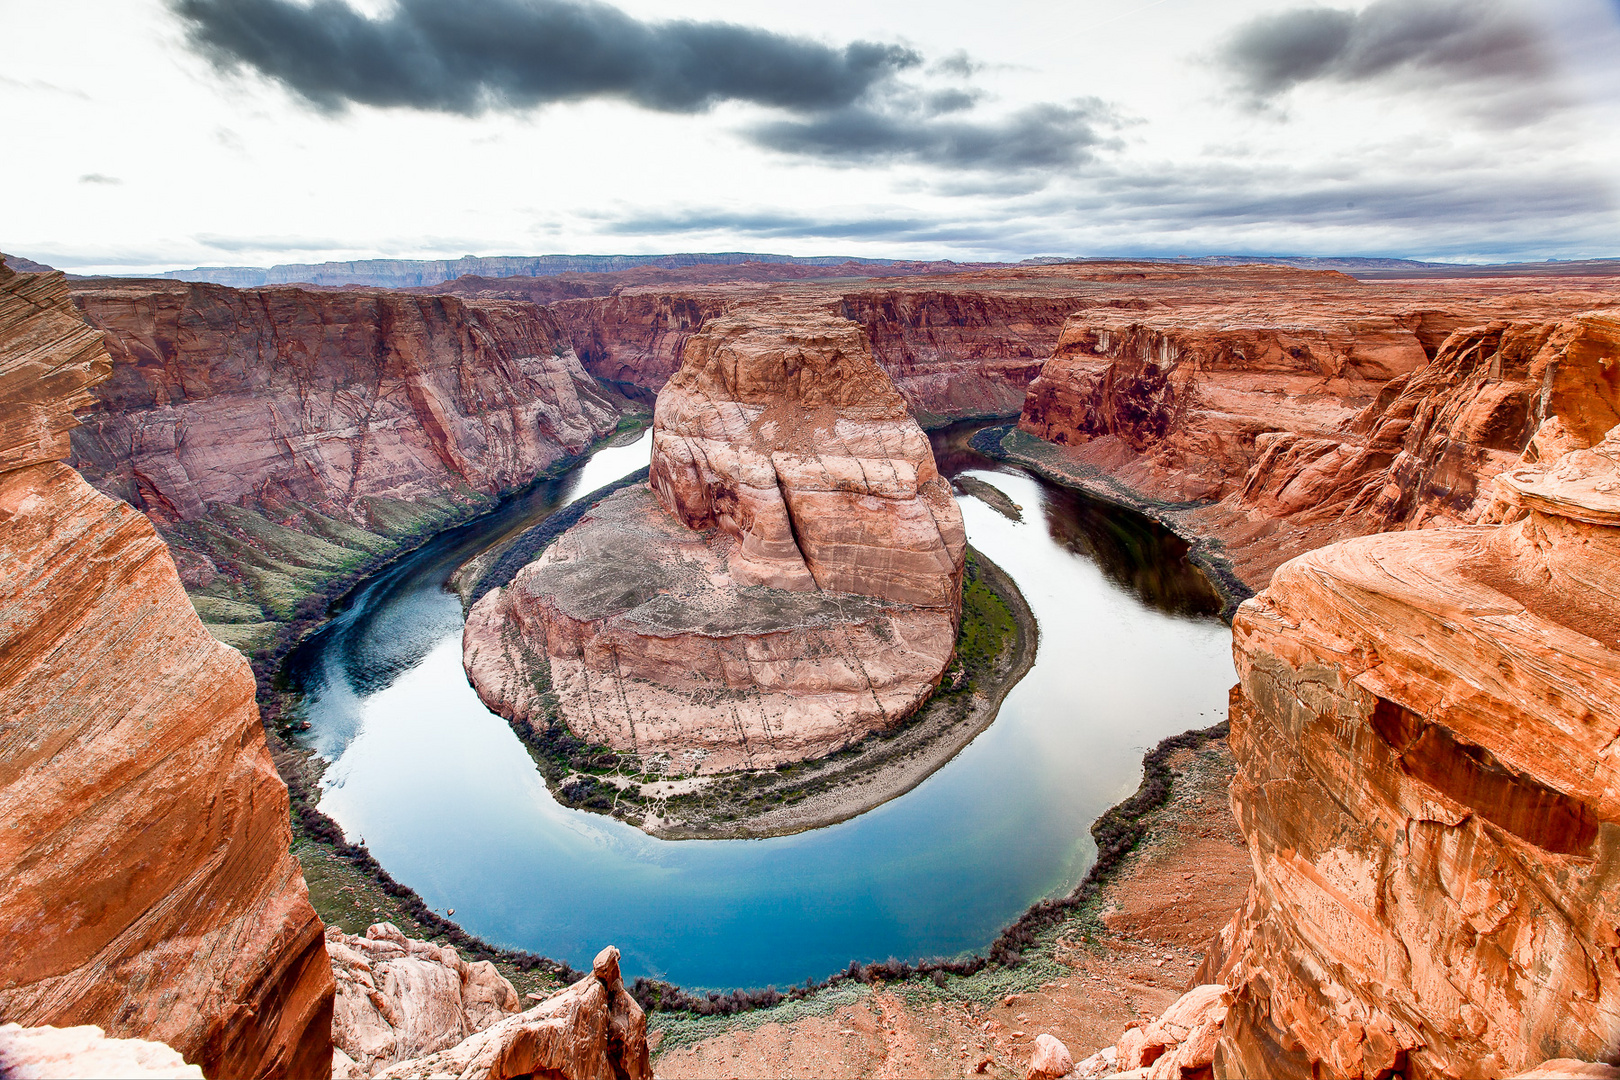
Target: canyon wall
{"x":282,"y":437}
{"x":1332,"y":412}
{"x":148,"y":888}
{"x":953,"y":348}
{"x":1425,"y":728}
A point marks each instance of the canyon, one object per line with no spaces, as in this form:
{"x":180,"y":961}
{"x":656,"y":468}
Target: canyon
{"x":788,"y":582}
{"x":1418,"y":477}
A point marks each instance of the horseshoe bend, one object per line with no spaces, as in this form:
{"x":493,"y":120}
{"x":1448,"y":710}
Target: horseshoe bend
{"x":931,"y":653}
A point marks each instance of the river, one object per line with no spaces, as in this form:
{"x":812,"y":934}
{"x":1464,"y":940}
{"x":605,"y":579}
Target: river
{"x":447,"y":798}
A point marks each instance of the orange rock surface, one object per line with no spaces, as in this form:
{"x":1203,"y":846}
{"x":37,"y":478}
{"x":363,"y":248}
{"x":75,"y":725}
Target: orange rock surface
{"x":592,"y":1030}
{"x":1282,"y":410}
{"x":148,"y":887}
{"x":1425,"y":728}
{"x":791,"y":583}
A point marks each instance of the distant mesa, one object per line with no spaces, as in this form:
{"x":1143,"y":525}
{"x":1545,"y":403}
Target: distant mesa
{"x":789,"y":582}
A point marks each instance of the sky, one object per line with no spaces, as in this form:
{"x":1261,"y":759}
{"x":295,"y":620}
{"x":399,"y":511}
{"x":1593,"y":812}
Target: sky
{"x":145,"y":135}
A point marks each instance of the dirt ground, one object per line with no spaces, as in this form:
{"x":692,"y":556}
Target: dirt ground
{"x":1125,"y":957}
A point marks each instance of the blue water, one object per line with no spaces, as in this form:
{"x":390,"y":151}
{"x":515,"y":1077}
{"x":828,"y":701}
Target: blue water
{"x":447,"y":798}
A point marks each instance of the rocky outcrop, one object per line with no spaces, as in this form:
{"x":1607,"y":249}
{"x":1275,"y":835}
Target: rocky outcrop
{"x":1425,"y":727}
{"x":399,"y":999}
{"x":148,"y":888}
{"x":593,"y":1030}
{"x":790,"y":582}
{"x":51,"y":1053}
{"x":280,"y":437}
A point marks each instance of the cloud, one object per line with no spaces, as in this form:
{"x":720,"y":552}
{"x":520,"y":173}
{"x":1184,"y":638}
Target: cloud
{"x":1450,"y":41}
{"x":469,"y":56}
{"x":837,"y":103}
{"x":1043,"y":136}
{"x":99,"y":178}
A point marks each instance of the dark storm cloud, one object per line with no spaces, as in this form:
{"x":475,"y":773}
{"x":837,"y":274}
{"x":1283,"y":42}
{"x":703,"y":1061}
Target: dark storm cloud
{"x":1455,"y":40}
{"x":1036,"y":137}
{"x":842,"y":103}
{"x":466,"y":56}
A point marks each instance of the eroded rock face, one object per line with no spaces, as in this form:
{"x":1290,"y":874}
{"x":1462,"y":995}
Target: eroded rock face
{"x":790,"y":583}
{"x":399,"y":999}
{"x":219,"y":394}
{"x":1425,"y":728}
{"x":148,"y":886}
{"x":593,"y":1030}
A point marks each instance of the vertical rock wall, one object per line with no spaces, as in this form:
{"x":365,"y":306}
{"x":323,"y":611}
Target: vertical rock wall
{"x":1426,"y":728}
{"x":148,"y":887}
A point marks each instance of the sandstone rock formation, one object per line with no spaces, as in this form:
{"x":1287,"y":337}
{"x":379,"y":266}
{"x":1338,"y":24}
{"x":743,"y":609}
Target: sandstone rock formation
{"x":593,"y":1030}
{"x":148,"y":885}
{"x":280,"y":436}
{"x":957,"y":345}
{"x":51,"y":1053}
{"x":790,"y":584}
{"x":1307,"y":412}
{"x":399,"y":999}
{"x":1049,"y":1061}
{"x":1425,"y":728}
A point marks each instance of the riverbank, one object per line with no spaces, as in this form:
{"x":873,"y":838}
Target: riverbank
{"x":1207,"y":550}
{"x":995,"y":648}
{"x":1123,"y":953}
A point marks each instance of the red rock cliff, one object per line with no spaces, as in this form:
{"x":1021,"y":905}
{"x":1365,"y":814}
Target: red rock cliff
{"x":281,"y":436}
{"x":148,"y":885}
{"x":1299,"y":409}
{"x":1425,"y":729}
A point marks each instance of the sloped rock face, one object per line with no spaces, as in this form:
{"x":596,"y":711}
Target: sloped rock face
{"x":1425,"y":728}
{"x":790,"y":582}
{"x":593,"y":1030}
{"x":149,"y":888}
{"x":218,"y":394}
{"x":282,"y":437}
{"x":1187,"y":396}
{"x":634,"y":340}
{"x":399,"y":999}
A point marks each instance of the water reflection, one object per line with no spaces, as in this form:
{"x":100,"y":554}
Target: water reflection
{"x":448,"y":800}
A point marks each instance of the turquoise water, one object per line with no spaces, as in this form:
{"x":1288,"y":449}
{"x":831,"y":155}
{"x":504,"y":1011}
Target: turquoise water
{"x":447,"y":799}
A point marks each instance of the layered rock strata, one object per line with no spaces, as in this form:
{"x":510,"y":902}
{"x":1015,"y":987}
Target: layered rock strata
{"x":148,"y":888}
{"x":399,"y":999}
{"x":1333,"y":423}
{"x":281,"y":436}
{"x":1425,"y":729}
{"x":790,"y":582}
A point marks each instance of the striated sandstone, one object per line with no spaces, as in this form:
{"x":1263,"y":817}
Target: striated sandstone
{"x":1425,"y":728}
{"x":790,"y":583}
{"x":149,"y":888}
{"x":51,"y":1053}
{"x":593,"y":1030}
{"x":399,"y":999}
{"x":279,"y":437}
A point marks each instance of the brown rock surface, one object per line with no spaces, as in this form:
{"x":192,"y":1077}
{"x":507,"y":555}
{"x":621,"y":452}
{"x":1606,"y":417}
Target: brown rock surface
{"x":593,"y":1030}
{"x":793,"y":585}
{"x":399,"y":999}
{"x":149,"y":888}
{"x":52,"y":1053}
{"x":1425,"y":730}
